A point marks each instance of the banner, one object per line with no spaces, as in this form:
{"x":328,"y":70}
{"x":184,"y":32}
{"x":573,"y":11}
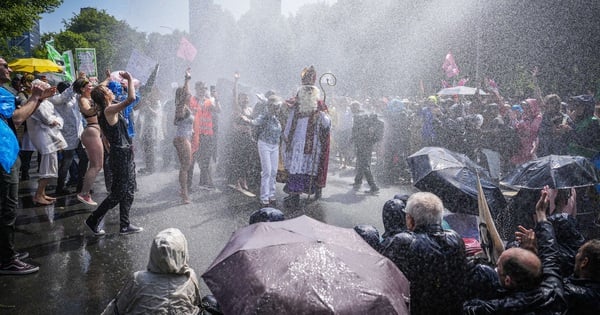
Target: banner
{"x":69,"y":69}
{"x":140,"y":66}
{"x":449,"y":66}
{"x":86,"y":61}
{"x":186,"y":50}
{"x":490,"y":240}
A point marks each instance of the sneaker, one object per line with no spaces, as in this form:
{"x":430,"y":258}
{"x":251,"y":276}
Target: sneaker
{"x":17,"y":267}
{"x":373,"y":190}
{"x":87,"y":199}
{"x":130,"y":229}
{"x":21,"y":255}
{"x":96,"y":230}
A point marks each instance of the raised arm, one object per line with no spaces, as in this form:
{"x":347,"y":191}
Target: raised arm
{"x":115,"y":109}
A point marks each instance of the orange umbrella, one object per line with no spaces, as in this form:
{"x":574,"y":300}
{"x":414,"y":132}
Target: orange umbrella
{"x":34,"y":65}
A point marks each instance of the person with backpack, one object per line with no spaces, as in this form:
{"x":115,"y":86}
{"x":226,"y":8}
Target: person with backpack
{"x":367,"y":130}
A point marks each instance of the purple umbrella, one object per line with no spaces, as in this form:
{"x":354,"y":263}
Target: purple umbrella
{"x":303,"y":266}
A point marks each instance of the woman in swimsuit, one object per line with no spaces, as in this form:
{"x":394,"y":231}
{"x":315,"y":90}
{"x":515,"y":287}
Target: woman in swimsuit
{"x":90,"y":138}
{"x":184,"y":120}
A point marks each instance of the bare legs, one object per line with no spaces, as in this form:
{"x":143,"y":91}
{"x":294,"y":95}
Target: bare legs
{"x":90,"y":138}
{"x":184,"y":152}
{"x":40,"y":195}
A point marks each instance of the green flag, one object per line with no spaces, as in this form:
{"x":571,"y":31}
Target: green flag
{"x":69,"y":69}
{"x":57,"y":58}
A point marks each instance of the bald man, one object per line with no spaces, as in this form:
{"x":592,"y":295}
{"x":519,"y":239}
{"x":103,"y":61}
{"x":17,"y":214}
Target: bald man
{"x":534,"y":285}
{"x":519,"y":269}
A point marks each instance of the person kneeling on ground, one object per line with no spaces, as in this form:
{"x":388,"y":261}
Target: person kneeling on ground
{"x":168,"y":286}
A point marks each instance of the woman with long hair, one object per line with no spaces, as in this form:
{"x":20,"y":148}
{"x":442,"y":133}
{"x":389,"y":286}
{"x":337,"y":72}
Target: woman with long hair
{"x":90,"y":138}
{"x":114,"y":128}
{"x":184,"y":120}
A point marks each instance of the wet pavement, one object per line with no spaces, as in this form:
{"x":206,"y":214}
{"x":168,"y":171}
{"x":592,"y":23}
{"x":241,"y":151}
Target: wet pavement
{"x":80,"y":273}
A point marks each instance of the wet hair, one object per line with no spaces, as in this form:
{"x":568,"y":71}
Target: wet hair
{"x":180,"y":95}
{"x":552,"y":100}
{"x":79,"y":84}
{"x":62,"y":86}
{"x":99,"y":94}
{"x":524,"y":275}
{"x":591,"y":250}
{"x":27,"y":79}
{"x":425,"y":208}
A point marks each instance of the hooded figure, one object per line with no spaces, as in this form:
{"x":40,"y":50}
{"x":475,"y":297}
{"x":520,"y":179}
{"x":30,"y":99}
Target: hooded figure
{"x":168,"y":286}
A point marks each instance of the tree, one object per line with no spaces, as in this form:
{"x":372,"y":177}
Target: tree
{"x":113,"y":39}
{"x":18,"y":17}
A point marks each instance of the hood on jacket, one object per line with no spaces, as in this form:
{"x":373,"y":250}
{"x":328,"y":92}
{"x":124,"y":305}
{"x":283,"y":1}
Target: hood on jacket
{"x":169,"y":253}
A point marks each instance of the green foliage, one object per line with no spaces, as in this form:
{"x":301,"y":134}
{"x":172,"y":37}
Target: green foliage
{"x":19,"y":16}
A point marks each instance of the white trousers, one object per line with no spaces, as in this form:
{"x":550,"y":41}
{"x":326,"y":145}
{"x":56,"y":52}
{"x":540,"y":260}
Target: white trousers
{"x":269,"y":158}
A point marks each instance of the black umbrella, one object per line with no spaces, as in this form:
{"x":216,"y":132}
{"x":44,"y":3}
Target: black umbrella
{"x":303,"y":266}
{"x":453,"y":177}
{"x":556,"y":171}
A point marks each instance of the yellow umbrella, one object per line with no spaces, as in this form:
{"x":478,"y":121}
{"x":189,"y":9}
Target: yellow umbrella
{"x":34,"y":65}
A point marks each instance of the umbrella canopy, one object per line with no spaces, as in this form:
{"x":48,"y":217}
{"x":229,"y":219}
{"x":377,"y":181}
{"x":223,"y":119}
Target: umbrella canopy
{"x":556,"y":171}
{"x":303,"y":266}
{"x":34,"y":65}
{"x":461,"y":90}
{"x":453,"y":177}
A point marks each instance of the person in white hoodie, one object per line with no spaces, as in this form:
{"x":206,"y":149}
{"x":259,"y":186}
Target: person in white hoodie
{"x":43,"y":128}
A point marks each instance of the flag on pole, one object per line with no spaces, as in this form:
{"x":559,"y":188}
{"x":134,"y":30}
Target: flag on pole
{"x":186,"y":50}
{"x":490,"y":240}
{"x":449,"y":66}
{"x":58,"y":58}
{"x":69,"y":65}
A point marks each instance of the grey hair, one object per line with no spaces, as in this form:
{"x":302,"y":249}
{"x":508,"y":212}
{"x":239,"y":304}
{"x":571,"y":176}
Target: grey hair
{"x":425,"y":208}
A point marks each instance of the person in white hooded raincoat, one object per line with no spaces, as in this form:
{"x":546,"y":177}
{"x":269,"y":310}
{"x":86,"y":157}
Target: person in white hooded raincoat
{"x":168,"y":286}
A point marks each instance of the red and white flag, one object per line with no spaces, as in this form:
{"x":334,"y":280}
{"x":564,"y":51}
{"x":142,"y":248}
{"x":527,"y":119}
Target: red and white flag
{"x":186,"y":50}
{"x":449,"y":66}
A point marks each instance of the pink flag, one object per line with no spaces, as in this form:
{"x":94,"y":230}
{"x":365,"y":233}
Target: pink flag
{"x":462,"y":82}
{"x":186,"y":50}
{"x":449,"y":66}
{"x":492,"y":85}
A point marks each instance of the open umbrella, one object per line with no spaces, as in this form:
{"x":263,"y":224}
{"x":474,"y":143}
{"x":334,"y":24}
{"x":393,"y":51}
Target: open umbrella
{"x":461,"y":90}
{"x":453,"y":177}
{"x":34,"y":65}
{"x":303,"y":266}
{"x":556,"y":171}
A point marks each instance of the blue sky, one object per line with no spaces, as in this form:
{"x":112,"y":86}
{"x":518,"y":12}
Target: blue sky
{"x":151,"y":15}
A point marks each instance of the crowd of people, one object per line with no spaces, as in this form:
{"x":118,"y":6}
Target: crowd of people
{"x":88,"y":126}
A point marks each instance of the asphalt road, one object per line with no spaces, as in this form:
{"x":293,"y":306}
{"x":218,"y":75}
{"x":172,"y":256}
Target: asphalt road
{"x":80,"y":273}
